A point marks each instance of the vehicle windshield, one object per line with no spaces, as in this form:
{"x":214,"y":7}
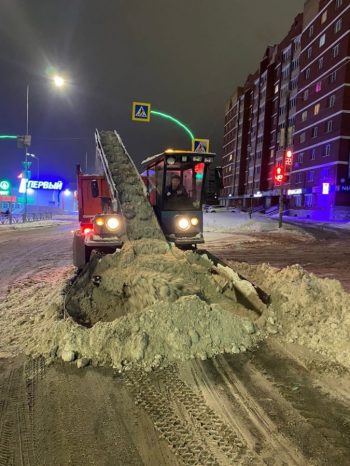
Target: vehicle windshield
{"x":183,"y":188}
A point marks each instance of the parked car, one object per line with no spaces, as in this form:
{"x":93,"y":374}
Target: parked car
{"x":218,"y":208}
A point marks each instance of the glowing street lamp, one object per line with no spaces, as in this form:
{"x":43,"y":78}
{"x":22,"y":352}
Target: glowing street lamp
{"x":58,"y":81}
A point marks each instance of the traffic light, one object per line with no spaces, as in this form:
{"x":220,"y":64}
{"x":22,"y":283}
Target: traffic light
{"x":288,"y":160}
{"x":199,"y":171}
{"x":278,"y":174}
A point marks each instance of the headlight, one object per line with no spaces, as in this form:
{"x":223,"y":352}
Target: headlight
{"x":112,"y":223}
{"x":184,"y":223}
{"x":99,"y":221}
{"x":194,"y":221}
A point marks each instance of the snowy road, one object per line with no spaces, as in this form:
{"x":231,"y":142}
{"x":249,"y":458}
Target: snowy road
{"x":260,"y":408}
{"x":327,"y":255}
{"x":273,"y":406}
{"x":25,"y":250}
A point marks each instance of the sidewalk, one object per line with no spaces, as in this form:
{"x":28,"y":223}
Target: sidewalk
{"x":341,"y":224}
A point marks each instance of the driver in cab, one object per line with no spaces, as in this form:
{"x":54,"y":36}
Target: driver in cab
{"x":175,"y":189}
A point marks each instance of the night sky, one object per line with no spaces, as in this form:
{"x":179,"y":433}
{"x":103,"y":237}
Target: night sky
{"x":186,"y":57}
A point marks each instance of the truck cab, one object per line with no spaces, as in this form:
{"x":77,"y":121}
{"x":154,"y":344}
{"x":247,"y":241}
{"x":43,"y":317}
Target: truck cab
{"x":175,"y":182}
{"x":101,"y":222}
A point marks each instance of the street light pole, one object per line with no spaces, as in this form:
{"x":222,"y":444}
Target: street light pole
{"x":59,"y":82}
{"x":26,"y":161}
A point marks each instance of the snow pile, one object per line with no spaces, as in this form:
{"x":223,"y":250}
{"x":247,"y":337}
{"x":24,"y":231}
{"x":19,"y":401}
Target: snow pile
{"x":148,"y":305}
{"x":176,"y":306}
{"x":142,"y":274}
{"x":164,"y":332}
{"x":305,"y":309}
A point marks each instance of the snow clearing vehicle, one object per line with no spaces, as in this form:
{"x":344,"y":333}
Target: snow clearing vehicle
{"x":100,"y":198}
{"x":175,"y":181}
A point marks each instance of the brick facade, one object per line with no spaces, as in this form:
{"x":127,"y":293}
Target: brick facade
{"x":299,"y":99}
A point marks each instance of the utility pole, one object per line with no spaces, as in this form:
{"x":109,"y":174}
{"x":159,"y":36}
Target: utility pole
{"x":280,"y":210}
{"x":26,"y":160}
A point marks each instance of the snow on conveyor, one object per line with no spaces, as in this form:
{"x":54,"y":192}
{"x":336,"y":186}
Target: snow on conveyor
{"x":140,"y":219}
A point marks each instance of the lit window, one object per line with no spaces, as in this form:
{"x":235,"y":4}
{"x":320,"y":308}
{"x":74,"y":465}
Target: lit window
{"x":276,"y":88}
{"x":314,"y":132}
{"x":313,"y":154}
{"x":331,"y":101}
{"x":335,"y":50}
{"x":327,"y":149}
{"x":307,"y":73}
{"x":316,"y":109}
{"x":337,"y":26}
{"x":329,"y":126}
{"x":320,"y":63}
{"x":309,"y":52}
{"x":318,"y":86}
{"x":302,"y":137}
{"x":304,"y":116}
{"x":306,"y":94}
{"x":324,"y":17}
{"x":272,"y":153}
{"x":322,"y":40}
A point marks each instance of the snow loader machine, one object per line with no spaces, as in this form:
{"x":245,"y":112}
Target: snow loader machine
{"x":118,"y":204}
{"x":103,"y":223}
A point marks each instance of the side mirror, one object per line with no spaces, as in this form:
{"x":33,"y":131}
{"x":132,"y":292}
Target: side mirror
{"x":94,"y":188}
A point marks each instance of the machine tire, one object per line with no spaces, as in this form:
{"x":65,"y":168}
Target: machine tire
{"x":81,"y":253}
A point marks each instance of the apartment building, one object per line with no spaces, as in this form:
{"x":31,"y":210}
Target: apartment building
{"x":298,"y":100}
{"x":320,"y":175}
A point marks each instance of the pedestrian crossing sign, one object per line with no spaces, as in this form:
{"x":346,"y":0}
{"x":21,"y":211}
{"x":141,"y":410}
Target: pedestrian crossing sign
{"x":200,"y":145}
{"x":141,"y":111}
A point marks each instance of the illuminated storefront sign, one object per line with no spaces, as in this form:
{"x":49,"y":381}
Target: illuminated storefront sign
{"x":5,"y":188}
{"x":325,"y":188}
{"x":35,"y":184}
{"x":294,"y":191}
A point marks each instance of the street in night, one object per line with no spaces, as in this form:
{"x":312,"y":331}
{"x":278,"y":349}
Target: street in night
{"x":175,"y":233}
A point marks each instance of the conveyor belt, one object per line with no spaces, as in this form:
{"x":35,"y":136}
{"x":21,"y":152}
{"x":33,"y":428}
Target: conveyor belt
{"x":127,"y":188}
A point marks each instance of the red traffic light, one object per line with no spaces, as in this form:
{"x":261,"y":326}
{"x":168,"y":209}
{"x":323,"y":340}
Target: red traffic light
{"x":278,"y":174}
{"x":199,"y":168}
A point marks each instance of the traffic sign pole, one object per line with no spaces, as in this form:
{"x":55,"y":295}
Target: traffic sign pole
{"x":280,"y":209}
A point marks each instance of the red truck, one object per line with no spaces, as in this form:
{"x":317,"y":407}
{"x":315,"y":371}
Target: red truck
{"x":101,"y":224}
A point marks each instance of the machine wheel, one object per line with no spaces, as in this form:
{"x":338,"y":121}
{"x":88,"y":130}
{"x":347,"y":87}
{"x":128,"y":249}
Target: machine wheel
{"x":81,"y":253}
{"x":187,"y":247}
